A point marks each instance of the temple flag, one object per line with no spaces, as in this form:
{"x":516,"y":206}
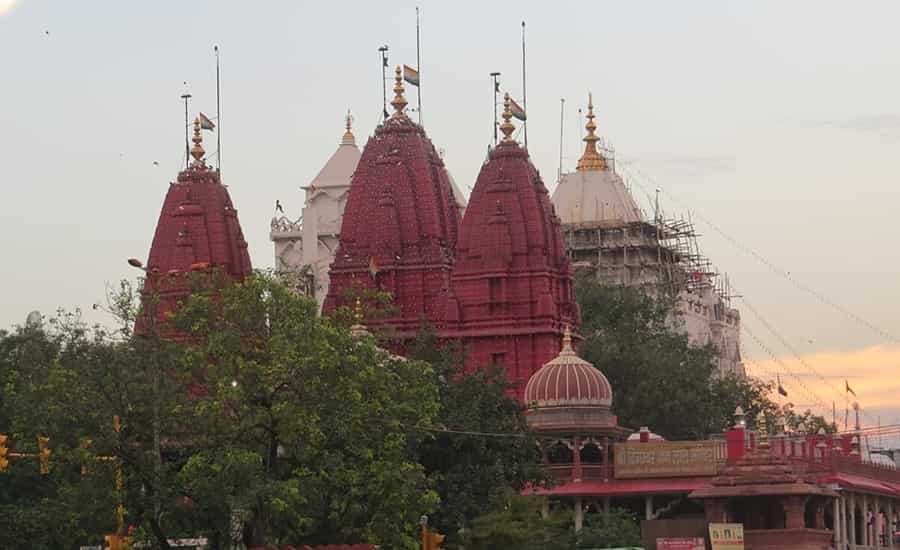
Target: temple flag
{"x":410,"y":75}
{"x":206,"y":123}
{"x":848,"y":388}
{"x":516,"y":110}
{"x":781,"y":389}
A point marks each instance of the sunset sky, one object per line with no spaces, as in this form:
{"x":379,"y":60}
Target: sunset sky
{"x":774,"y":125}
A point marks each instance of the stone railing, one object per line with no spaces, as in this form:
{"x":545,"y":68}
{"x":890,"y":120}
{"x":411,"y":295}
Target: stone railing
{"x":283,"y":225}
{"x":565,"y":472}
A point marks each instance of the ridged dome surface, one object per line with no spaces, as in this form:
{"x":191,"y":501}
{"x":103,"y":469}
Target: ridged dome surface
{"x":568,"y":381}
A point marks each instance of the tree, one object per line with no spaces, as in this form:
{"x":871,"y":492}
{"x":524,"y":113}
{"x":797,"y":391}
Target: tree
{"x":267,"y":413}
{"x":659,"y":379}
{"x":615,"y":529}
{"x":333,"y":422}
{"x":489,"y":448}
{"x":515,"y":521}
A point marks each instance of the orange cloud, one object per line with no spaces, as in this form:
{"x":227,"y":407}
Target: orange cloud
{"x":873,"y":373}
{"x":6,"y":6}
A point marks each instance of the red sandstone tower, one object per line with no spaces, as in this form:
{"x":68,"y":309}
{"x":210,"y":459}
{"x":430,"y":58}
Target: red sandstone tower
{"x":198,"y":230}
{"x":512,"y":283}
{"x":400,"y":226}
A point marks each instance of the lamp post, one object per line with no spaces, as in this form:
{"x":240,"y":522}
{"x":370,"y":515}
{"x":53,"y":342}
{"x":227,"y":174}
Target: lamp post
{"x":157,"y":462}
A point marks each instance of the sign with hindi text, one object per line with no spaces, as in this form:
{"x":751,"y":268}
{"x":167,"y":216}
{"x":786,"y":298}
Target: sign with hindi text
{"x":668,"y":459}
{"x":680,"y":543}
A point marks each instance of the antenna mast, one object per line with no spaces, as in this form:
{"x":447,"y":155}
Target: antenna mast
{"x":187,"y":147}
{"x":418,"y":68}
{"x":218,"y":119}
{"x":562,"y":111}
{"x":524,"y":98}
{"x":494,"y":76}
{"x":384,"y":64}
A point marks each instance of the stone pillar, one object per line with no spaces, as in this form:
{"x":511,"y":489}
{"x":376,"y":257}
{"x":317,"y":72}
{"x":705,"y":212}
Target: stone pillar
{"x":793,"y":512}
{"x":606,"y":465}
{"x":545,"y":508}
{"x":864,"y":510}
{"x":890,"y":518}
{"x":606,"y":505}
{"x":820,"y":513}
{"x":852,"y":522}
{"x":577,"y":470}
{"x":579,"y":514}
{"x":714,"y":508}
{"x":836,"y":528}
{"x":648,"y":507}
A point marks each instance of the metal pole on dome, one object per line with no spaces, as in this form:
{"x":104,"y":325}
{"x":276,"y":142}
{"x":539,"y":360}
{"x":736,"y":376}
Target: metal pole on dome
{"x":187,"y":147}
{"x":524,"y":97}
{"x":494,"y":75}
{"x":218,"y":119}
{"x":418,"y":68}
{"x":384,"y":64}
{"x":562,"y":111}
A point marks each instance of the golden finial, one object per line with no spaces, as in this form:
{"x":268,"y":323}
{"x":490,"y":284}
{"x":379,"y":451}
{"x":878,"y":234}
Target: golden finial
{"x":591,"y":160}
{"x":763,"y":434}
{"x":348,"y":138}
{"x":567,"y":340}
{"x":399,"y":102}
{"x":197,"y":150}
{"x":507,"y":127}
{"x":357,"y":311}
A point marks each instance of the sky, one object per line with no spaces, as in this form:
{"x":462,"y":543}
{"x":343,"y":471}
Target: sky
{"x":774,"y":126}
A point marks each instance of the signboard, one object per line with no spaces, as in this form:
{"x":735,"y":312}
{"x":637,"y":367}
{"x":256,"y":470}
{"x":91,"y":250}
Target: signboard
{"x":680,"y":543}
{"x":726,"y":536}
{"x":668,"y":459}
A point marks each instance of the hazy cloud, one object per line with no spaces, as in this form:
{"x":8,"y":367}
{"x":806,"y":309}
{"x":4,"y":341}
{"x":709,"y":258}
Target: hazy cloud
{"x":6,"y":6}
{"x":871,"y":372}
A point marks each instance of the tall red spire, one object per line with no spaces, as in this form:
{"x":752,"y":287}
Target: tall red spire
{"x":400,"y":225}
{"x":512,"y":283}
{"x":198,"y":229}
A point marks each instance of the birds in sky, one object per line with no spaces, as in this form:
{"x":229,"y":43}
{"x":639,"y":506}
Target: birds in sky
{"x":278,"y":207}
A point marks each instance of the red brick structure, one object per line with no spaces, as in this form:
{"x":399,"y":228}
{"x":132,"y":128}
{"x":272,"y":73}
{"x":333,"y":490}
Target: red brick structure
{"x":400,"y":226}
{"x":503,"y":288}
{"x":512,"y":283}
{"x":198,"y":230}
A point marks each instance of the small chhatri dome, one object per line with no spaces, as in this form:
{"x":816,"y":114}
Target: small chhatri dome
{"x":568,"y":381}
{"x":591,"y":159}
{"x":349,"y":138}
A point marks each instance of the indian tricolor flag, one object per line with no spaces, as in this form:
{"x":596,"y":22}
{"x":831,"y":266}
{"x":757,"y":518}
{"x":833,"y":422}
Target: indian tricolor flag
{"x":516,"y":110}
{"x":410,"y":75}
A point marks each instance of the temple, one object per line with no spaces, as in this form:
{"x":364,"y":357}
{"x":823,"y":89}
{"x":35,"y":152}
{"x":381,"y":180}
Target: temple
{"x":791,"y":490}
{"x":606,"y":233}
{"x":304,"y":249}
{"x":399,"y":228}
{"x":512,"y":283}
{"x":198,"y":232}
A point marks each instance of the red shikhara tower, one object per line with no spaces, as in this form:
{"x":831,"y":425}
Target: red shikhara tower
{"x":400,"y":226}
{"x":197,"y":231}
{"x":512,"y":283}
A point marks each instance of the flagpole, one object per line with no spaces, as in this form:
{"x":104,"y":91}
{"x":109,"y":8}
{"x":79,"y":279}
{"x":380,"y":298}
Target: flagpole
{"x":562,"y":111}
{"x":218,"y":119}
{"x":384,"y":64}
{"x":187,"y":147}
{"x":524,"y":99}
{"x":418,"y":68}
{"x":494,"y":75}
